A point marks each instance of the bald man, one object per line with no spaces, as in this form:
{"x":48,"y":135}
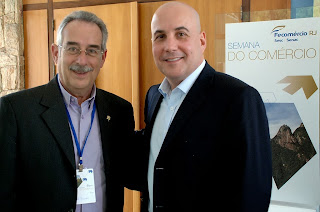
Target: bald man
{"x":207,"y":139}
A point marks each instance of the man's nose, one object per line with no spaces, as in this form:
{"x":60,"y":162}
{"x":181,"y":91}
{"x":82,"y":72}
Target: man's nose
{"x":171,"y":44}
{"x":82,"y":58}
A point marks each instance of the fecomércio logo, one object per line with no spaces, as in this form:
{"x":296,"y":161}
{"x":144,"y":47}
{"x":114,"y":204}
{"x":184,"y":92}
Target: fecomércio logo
{"x":278,"y":33}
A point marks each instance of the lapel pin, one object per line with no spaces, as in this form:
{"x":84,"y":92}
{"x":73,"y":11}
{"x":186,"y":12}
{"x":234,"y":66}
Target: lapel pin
{"x":108,"y":118}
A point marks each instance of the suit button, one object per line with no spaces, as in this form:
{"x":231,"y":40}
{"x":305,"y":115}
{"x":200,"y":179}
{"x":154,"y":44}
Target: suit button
{"x":159,"y":206}
{"x":158,"y":168}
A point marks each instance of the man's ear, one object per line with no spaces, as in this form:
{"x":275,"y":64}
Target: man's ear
{"x":203,"y":40}
{"x":104,"y":56}
{"x":55,"y":53}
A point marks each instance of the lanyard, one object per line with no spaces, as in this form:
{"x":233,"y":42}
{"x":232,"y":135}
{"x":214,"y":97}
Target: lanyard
{"x":80,"y":151}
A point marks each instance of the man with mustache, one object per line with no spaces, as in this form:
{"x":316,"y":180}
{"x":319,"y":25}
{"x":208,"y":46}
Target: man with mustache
{"x":207,"y":144}
{"x":63,"y":145}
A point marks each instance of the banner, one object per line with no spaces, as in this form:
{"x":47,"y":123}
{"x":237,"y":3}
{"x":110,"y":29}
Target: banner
{"x":281,"y":60}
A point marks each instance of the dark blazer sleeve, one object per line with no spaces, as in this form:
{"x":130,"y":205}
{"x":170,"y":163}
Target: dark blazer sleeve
{"x":140,"y":147}
{"x":131,"y":141}
{"x":8,"y":134}
{"x":250,"y":125}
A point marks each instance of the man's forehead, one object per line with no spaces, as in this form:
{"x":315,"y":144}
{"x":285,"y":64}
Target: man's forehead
{"x":172,"y":24}
{"x":78,"y":31}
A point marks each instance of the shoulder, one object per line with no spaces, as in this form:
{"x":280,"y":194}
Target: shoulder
{"x":21,"y":103}
{"x":24,"y":96}
{"x":223,"y":79}
{"x":152,"y":93}
{"x":51,"y":89}
{"x":227,"y":85}
{"x":231,"y":83}
{"x":153,"y":89}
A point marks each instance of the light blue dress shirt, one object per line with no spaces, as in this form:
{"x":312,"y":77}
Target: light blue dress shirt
{"x":170,"y":104}
{"x":92,"y":153}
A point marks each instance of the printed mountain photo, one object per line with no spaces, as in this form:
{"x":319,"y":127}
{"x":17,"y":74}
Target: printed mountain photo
{"x":291,"y":145}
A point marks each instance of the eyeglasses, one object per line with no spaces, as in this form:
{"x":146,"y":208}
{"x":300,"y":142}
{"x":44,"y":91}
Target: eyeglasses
{"x":73,"y":50}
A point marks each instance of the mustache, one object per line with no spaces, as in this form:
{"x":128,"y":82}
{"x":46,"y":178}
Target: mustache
{"x":80,"y":69}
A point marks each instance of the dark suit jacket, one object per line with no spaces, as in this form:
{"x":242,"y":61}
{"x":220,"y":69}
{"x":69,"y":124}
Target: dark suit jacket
{"x":216,"y":155}
{"x":37,"y":160}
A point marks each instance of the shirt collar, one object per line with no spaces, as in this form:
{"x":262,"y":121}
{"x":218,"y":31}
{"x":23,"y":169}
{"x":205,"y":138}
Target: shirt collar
{"x":68,"y":97}
{"x":185,"y":85}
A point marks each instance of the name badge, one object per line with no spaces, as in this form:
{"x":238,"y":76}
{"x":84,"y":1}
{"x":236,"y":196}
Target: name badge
{"x":86,"y":189}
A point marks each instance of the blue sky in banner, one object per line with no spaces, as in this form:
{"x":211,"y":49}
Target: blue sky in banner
{"x":302,"y":8}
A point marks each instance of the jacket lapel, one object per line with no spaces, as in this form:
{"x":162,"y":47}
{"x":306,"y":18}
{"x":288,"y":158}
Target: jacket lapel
{"x":56,"y":119}
{"x":152,"y":111}
{"x":154,"y":107}
{"x":105,"y":126}
{"x":195,"y":97}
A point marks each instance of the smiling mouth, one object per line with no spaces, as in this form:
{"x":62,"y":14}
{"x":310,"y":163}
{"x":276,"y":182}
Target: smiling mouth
{"x":79,"y":72}
{"x":173,"y":59}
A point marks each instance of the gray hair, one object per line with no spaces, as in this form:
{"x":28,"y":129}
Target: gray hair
{"x":86,"y":17}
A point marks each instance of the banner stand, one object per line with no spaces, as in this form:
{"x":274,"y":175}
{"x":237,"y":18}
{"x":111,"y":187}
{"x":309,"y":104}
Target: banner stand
{"x":281,"y":60}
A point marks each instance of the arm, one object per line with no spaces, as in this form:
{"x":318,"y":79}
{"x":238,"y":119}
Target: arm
{"x":8,"y":137}
{"x":253,"y":132}
{"x":133,"y":142}
{"x":140,"y":147}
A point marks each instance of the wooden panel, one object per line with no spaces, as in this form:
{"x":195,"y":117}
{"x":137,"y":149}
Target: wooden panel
{"x":208,"y":11}
{"x":270,"y":10}
{"x":99,"y":2}
{"x":34,"y":1}
{"x":63,"y":0}
{"x":258,"y":5}
{"x":119,"y":74}
{"x":36,"y":48}
{"x":135,"y":63}
{"x":63,"y":4}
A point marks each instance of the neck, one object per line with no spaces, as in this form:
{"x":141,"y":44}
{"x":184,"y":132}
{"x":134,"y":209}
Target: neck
{"x":173,"y":86}
{"x":81,"y":94}
{"x":174,"y":83}
{"x":82,"y":98}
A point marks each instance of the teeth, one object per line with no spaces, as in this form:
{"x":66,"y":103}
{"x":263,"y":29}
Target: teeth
{"x":174,"y":59}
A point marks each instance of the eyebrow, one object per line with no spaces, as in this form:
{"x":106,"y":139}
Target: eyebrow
{"x":72,"y":43}
{"x":176,"y":29}
{"x":158,"y":32}
{"x":181,"y":28}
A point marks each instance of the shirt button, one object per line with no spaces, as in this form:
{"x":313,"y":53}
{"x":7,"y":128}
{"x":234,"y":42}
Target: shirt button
{"x":171,"y":108}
